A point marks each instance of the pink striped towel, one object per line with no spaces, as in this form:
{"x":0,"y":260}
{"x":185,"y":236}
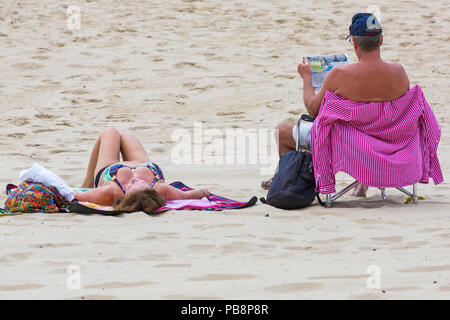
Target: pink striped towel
{"x":380,"y":144}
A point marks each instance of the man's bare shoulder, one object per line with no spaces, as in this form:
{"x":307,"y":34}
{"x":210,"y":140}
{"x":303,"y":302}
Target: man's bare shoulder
{"x":396,"y":66}
{"x":342,"y":70}
{"x":335,"y":77}
{"x":398,"y":70}
{"x":337,"y":73}
{"x":342,"y":67}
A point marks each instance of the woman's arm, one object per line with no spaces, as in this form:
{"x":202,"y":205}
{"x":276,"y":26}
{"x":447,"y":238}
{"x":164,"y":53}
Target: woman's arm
{"x":169,"y":192}
{"x":104,"y":195}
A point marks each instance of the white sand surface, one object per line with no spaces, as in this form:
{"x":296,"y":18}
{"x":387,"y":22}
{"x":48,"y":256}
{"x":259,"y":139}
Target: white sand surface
{"x":155,"y":66}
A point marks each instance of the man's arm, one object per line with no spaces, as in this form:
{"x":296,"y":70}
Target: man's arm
{"x":311,"y":99}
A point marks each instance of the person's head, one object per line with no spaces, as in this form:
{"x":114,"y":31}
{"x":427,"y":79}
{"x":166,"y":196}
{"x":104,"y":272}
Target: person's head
{"x":366,"y":33}
{"x":146,"y":199}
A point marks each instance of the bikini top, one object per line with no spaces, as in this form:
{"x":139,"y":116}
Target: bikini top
{"x":111,"y":173}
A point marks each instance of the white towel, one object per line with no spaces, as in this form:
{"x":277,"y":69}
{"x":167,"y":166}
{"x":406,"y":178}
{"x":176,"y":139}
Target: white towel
{"x":37,"y":173}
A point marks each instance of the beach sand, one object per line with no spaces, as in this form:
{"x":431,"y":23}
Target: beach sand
{"x":153,"y":67}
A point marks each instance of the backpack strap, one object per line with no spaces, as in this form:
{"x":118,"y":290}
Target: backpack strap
{"x":320,"y":200}
{"x":306,"y":117}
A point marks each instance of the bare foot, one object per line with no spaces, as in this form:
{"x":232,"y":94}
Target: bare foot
{"x":360,"y":190}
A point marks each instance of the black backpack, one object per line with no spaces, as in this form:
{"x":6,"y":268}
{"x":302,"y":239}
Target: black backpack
{"x":293,"y":185}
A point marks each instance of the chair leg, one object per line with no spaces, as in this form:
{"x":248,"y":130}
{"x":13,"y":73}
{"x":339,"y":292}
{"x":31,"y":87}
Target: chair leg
{"x":415,"y":193}
{"x":330,"y":199}
{"x":383,"y":193}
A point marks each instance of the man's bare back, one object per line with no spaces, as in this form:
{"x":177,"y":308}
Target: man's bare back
{"x":371,"y":81}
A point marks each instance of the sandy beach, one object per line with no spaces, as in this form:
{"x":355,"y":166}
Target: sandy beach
{"x":161,"y":68}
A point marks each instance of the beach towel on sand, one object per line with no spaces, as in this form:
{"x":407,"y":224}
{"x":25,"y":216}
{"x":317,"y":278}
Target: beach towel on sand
{"x":211,"y":203}
{"x":36,"y":197}
{"x":380,"y":144}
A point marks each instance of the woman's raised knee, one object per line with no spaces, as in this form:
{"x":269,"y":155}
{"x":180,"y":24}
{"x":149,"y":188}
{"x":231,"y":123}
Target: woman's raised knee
{"x":110,"y":131}
{"x":127,"y":133}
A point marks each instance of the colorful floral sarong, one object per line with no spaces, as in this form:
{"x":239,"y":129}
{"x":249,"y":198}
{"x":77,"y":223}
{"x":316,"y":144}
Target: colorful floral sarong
{"x":31,"y":197}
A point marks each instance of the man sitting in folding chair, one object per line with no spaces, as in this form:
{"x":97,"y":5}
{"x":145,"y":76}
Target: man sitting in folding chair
{"x":388,"y":139}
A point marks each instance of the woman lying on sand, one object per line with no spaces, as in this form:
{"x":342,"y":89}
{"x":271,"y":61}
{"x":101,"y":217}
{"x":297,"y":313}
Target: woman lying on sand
{"x":134,"y":184}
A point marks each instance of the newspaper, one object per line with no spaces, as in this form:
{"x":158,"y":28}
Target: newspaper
{"x":321,"y":65}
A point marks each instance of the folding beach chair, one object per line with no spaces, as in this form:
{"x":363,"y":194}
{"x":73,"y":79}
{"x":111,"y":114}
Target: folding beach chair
{"x":331,"y":198}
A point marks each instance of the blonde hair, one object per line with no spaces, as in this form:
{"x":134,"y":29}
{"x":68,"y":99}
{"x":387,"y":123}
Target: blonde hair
{"x":147,"y":200}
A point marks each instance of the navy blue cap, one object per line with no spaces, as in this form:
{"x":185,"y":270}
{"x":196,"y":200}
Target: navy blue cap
{"x":364,"y":24}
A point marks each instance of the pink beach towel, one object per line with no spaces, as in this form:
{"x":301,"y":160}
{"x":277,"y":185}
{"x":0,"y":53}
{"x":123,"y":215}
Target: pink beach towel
{"x":189,"y":204}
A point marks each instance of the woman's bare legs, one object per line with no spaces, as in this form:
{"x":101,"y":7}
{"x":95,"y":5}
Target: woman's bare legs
{"x":132,"y":149}
{"x":106,"y":151}
{"x":89,"y":178}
